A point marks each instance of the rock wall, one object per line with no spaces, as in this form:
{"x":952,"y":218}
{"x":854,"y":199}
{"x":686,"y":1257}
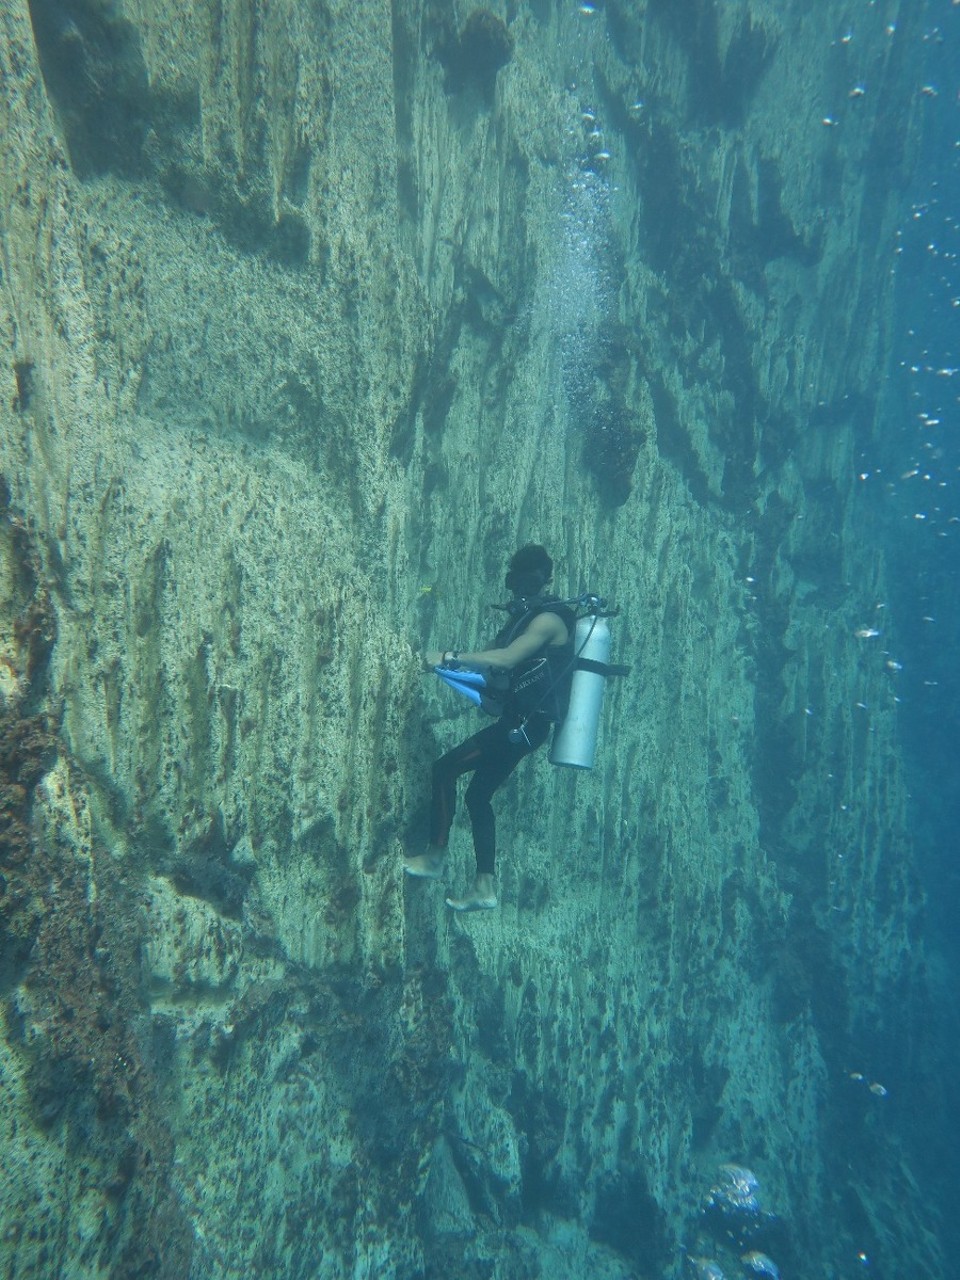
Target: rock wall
{"x":312,"y":314}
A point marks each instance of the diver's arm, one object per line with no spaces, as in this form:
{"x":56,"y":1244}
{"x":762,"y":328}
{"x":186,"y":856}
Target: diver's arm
{"x":545,"y":629}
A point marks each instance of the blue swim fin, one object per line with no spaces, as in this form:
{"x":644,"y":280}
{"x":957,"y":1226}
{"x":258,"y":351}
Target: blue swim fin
{"x":469,"y":683}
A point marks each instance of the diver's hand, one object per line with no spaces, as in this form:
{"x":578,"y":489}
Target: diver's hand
{"x":432,"y":658}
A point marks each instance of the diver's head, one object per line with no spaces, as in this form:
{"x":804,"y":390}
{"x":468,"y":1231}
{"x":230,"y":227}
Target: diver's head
{"x":530,"y":570}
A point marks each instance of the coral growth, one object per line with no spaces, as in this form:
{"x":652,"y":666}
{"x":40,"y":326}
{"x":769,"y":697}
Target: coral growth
{"x":611,"y":450}
{"x":70,"y":942}
{"x":614,"y":429}
{"x":27,"y":746}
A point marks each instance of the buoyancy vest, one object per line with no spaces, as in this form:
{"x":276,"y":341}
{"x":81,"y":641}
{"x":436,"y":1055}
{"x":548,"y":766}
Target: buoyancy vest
{"x":540,"y":685}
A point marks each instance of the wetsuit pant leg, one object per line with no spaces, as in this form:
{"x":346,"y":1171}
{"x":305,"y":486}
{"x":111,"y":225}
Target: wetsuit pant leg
{"x":491,"y":757}
{"x":462,"y":759}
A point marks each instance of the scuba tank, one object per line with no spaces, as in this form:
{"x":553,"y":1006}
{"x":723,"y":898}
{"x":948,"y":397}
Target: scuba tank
{"x":575,"y":741}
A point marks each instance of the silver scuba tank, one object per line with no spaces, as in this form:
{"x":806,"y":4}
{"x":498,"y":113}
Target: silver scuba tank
{"x":575,"y":741}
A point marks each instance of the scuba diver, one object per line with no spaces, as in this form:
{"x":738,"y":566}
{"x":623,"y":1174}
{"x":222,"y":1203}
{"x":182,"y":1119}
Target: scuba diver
{"x":525,"y":677}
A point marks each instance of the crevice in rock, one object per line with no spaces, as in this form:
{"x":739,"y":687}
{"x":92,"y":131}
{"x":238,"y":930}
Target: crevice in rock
{"x":247,"y":221}
{"x":540,"y":1118}
{"x":114,"y":122}
{"x":721,"y":86}
{"x":94,"y":72}
{"x":205,"y":869}
{"x":474,"y":55}
{"x":762,"y":235}
{"x":23,"y":371}
{"x":627,"y":1218}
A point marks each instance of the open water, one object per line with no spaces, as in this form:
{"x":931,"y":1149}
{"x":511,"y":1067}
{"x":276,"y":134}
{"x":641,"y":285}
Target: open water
{"x":918,"y":497}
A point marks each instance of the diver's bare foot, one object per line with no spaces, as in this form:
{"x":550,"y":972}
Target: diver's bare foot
{"x":425,"y":866}
{"x":482,"y":898}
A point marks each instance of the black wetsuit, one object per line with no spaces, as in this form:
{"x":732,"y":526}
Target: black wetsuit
{"x":490,"y":755}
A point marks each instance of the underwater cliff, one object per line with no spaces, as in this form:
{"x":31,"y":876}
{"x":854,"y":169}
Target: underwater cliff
{"x":312,"y":314}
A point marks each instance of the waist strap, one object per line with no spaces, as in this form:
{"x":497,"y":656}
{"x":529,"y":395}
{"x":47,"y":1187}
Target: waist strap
{"x":601,"y":668}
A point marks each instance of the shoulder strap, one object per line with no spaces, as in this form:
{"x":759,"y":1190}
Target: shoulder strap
{"x":550,"y":604}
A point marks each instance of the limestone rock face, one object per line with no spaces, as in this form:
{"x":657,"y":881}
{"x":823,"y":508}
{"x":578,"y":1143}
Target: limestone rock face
{"x":312,"y":314}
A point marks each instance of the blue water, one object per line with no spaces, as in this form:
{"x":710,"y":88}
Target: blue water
{"x":919,"y":500}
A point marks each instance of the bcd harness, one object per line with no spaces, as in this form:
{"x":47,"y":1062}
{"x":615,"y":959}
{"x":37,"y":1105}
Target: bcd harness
{"x":541,"y":684}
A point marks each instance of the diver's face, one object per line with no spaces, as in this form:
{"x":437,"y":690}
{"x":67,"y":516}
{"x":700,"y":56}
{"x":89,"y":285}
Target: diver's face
{"x":524,"y":583}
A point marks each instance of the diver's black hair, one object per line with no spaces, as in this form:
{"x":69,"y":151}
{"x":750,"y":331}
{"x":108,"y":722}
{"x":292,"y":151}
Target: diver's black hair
{"x":532,"y":558}
{"x":531,"y":568}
